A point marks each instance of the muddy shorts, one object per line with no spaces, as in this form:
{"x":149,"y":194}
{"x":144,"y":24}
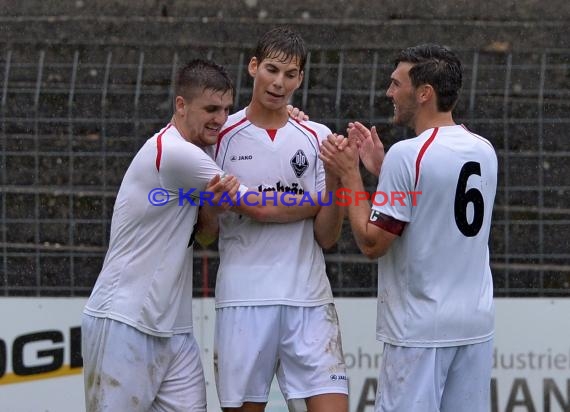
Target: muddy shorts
{"x":448,"y":379}
{"x":127,"y":370}
{"x":301,"y":345}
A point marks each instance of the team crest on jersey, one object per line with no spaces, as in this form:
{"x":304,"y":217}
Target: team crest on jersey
{"x":299,"y":163}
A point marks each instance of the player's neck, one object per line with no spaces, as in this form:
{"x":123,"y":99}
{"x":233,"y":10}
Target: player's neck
{"x":266,"y":118}
{"x":425,"y":121}
{"x":185,"y":133}
{"x":180,"y":127}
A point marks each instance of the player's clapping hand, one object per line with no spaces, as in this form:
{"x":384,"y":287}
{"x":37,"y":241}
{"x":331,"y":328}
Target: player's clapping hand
{"x":339,"y":155}
{"x":370,"y":148}
{"x":296,"y":113}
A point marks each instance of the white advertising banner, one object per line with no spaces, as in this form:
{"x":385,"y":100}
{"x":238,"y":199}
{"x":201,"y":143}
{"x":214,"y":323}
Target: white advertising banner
{"x":40,"y":366}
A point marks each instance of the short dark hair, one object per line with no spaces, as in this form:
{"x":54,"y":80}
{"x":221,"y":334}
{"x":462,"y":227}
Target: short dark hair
{"x":282,"y":42}
{"x":199,"y":75}
{"x":437,"y":66}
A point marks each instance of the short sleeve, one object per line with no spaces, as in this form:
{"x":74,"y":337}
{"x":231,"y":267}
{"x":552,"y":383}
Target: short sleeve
{"x":394,"y":193}
{"x":186,"y":166}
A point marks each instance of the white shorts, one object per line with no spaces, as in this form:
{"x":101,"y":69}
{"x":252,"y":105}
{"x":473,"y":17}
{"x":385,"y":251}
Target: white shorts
{"x":450,"y":379}
{"x":127,"y":370}
{"x":302,"y":345}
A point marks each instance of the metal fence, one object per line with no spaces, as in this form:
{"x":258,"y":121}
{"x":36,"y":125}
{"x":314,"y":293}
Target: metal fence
{"x":71,"y":119}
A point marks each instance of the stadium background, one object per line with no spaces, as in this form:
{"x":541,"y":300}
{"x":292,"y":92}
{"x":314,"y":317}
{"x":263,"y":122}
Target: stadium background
{"x":84,"y":84}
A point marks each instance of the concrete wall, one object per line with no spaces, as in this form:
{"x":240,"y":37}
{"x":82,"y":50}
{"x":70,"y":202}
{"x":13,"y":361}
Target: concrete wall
{"x":54,"y":154}
{"x":494,"y":24}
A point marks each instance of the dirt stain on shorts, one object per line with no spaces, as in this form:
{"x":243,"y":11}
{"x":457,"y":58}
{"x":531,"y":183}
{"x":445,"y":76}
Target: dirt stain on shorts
{"x":334,"y":344}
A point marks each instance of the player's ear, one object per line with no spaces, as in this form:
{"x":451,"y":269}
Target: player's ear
{"x":252,"y":66}
{"x":179,"y":104}
{"x":301,"y":76}
{"x":425,"y":92}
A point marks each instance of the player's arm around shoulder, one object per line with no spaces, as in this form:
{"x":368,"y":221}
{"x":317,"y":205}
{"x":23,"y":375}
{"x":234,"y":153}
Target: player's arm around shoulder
{"x":189,"y":173}
{"x":184,"y":166}
{"x":278,"y":207}
{"x":207,"y":227}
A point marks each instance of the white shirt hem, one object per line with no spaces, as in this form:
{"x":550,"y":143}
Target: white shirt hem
{"x":273,"y":302}
{"x":434,"y":343}
{"x":138,"y":326}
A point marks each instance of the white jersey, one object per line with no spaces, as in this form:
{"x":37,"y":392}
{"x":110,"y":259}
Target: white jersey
{"x":146,"y":280}
{"x":271,"y":263}
{"x":434,"y":283}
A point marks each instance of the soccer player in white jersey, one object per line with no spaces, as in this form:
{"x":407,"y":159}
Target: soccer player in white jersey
{"x":435,"y":291}
{"x":138,"y":348}
{"x":274,"y":305}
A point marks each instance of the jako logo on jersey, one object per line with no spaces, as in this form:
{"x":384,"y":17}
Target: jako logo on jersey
{"x":236,"y":158}
{"x":338,"y":378}
{"x":299,"y":163}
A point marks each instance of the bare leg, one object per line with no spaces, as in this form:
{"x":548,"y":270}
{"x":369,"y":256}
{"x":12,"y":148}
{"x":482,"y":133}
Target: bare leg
{"x":248,"y":407}
{"x":328,"y":402}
